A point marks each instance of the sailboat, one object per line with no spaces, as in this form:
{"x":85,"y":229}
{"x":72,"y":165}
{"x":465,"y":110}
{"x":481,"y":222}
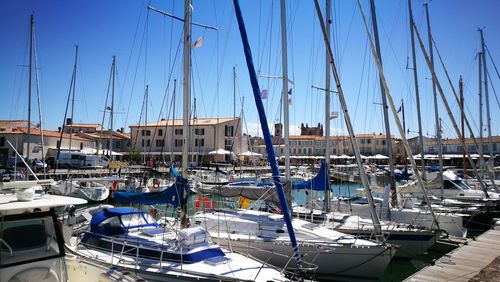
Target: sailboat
{"x":131,"y":239}
{"x":263,"y":234}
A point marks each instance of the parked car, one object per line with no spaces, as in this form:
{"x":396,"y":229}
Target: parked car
{"x":11,"y":175}
{"x":38,"y":165}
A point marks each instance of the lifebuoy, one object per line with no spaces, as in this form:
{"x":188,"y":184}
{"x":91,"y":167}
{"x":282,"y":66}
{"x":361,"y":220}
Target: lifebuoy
{"x":202,"y":200}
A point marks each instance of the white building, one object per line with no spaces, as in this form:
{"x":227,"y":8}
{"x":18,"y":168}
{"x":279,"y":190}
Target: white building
{"x":164,"y":138}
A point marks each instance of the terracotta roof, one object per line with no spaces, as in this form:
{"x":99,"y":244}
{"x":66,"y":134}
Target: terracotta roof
{"x":178,"y":122}
{"x":37,"y":132}
{"x":14,"y":123}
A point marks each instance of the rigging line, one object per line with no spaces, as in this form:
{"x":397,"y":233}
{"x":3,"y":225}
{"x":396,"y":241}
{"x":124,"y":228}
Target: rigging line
{"x":130,"y":57}
{"x":492,"y":87}
{"x":38,"y":95}
{"x":82,"y":88}
{"x":146,"y":31}
{"x":348,"y":33}
{"x":140,"y":119}
{"x":492,"y":62}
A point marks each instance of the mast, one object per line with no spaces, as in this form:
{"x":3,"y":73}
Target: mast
{"x":481,"y":142}
{"x":266,"y":133}
{"x":355,"y":146}
{"x":32,"y":23}
{"x":487,"y":100}
{"x":327,"y":106}
{"x":113,"y":67}
{"x":403,"y":114}
{"x":284,"y":98}
{"x":396,"y":119}
{"x":73,"y":102}
{"x":448,"y":110}
{"x":186,"y":100}
{"x":462,"y":115}
{"x":388,"y":141}
{"x":417,"y":94}
{"x":146,"y":92}
{"x":436,"y":110}
{"x":173,"y":125}
{"x":234,"y":91}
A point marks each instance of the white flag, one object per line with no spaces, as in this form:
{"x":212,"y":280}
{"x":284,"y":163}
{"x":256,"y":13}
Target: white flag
{"x":198,"y":42}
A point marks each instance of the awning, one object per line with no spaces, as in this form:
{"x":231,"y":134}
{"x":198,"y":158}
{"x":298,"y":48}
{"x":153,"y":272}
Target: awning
{"x":250,"y":154}
{"x":220,"y":152}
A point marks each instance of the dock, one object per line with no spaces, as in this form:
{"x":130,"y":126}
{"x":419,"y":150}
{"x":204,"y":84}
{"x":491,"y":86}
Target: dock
{"x":465,"y":262}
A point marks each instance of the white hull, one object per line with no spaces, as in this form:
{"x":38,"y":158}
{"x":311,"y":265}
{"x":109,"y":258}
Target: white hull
{"x":243,"y":269}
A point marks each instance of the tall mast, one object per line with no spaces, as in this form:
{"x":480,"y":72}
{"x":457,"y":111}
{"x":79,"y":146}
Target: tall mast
{"x":73,"y":90}
{"x":284,"y":96}
{"x":146,"y":92}
{"x":396,"y":119}
{"x":234,"y":91}
{"x":110,"y":148}
{"x":173,"y":125}
{"x":186,"y":100}
{"x":403,"y":114}
{"x":462,"y":117}
{"x":417,"y":94}
{"x":32,"y":23}
{"x":350,"y":129}
{"x":481,"y":142}
{"x":388,"y":140}
{"x":328,"y":19}
{"x":487,"y":100}
{"x":436,"y":110}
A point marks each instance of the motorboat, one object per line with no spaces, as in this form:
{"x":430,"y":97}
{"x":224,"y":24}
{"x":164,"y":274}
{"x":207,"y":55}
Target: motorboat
{"x":89,"y":190}
{"x":31,"y":242}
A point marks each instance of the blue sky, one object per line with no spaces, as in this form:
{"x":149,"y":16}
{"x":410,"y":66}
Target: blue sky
{"x":146,"y":47}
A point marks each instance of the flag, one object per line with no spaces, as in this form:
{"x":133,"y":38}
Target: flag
{"x":198,"y":43}
{"x":290,"y":96}
{"x":263,"y":94}
{"x":399,"y":110}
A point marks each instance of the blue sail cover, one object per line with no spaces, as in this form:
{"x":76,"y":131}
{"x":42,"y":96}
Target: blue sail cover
{"x":174,"y":195}
{"x":318,"y":183}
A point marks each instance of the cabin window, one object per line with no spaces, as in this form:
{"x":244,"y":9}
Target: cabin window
{"x":31,"y":238}
{"x":136,"y":219}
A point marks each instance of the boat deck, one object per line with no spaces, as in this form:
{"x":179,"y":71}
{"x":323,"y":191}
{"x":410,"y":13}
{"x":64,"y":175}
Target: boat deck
{"x":465,"y":262}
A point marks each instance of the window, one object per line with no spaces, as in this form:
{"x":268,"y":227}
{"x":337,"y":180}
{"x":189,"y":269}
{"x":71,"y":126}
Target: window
{"x":178,"y":131}
{"x":199,"y":131}
{"x":142,"y":142}
{"x":148,"y":143}
{"x":2,"y":141}
{"x":160,"y":142}
{"x":143,"y":132}
{"x":34,"y":234}
{"x":228,"y":144}
{"x":229,"y":130}
{"x":199,"y":142}
{"x":178,"y":142}
{"x":118,"y":144}
{"x":81,"y":145}
{"x":160,"y":132}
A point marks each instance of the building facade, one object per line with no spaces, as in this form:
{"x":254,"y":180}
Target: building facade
{"x":206,"y":135}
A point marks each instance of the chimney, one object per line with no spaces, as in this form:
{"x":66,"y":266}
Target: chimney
{"x":162,"y":119}
{"x":59,"y":129}
{"x":121,"y":129}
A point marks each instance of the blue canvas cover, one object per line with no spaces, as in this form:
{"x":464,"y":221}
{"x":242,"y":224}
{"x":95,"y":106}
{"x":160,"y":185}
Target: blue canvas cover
{"x":174,"y":195}
{"x":320,"y":182}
